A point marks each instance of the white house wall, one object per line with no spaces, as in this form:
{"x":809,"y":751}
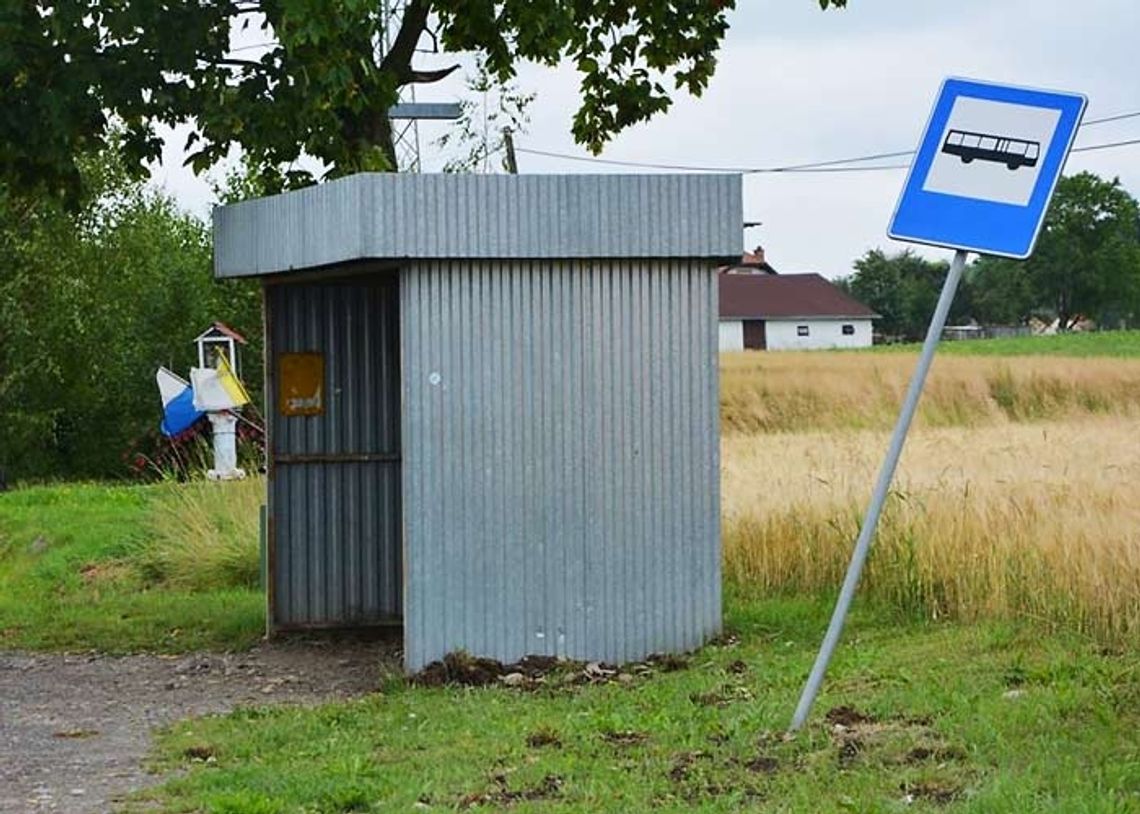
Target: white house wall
{"x":822,"y":334}
{"x":731,"y":335}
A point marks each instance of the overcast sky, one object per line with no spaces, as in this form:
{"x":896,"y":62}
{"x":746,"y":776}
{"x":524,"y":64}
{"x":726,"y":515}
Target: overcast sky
{"x":796,"y":84}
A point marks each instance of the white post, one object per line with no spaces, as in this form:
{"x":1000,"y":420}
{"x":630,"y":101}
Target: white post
{"x":879,"y":497}
{"x":223,"y":426}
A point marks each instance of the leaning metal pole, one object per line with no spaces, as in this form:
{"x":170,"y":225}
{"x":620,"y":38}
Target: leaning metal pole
{"x":879,"y":496}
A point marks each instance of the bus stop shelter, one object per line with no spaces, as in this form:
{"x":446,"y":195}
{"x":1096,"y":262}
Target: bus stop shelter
{"x":492,"y":407}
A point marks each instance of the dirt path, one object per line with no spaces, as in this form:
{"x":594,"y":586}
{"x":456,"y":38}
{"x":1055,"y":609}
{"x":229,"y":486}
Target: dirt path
{"x":75,"y":729}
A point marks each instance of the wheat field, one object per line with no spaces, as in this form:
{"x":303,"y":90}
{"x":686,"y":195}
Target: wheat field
{"x":992,"y":514}
{"x":793,"y":392}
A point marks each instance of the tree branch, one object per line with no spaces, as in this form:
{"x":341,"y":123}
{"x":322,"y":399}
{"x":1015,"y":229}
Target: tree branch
{"x":398,"y":60}
{"x":427,"y":77}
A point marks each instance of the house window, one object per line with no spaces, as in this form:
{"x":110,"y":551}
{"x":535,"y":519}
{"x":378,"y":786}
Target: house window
{"x":848,"y":330}
{"x":802,"y":330}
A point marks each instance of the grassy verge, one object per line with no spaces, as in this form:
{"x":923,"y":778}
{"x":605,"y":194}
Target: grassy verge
{"x":77,"y":573}
{"x":932,"y":717}
{"x":1102,"y":343}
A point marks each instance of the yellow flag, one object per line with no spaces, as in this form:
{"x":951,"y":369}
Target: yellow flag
{"x":230,"y":383}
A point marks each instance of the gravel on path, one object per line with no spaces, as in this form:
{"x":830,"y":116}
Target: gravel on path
{"x":74,"y":729}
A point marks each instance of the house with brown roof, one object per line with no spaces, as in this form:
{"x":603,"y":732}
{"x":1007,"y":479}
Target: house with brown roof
{"x":763,"y":310}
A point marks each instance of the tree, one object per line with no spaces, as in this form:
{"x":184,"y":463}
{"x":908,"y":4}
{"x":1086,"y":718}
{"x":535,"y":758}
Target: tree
{"x":91,"y":302}
{"x":903,"y":289}
{"x":324,"y":82}
{"x":481,"y":131}
{"x":1001,"y":292}
{"x":1087,"y":259}
{"x":1086,"y":262}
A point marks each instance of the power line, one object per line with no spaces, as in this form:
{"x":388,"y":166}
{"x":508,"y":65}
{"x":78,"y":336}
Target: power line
{"x":255,"y":45}
{"x":811,"y":167}
{"x":1115,"y":118}
{"x":902,"y":153}
{"x":1107,"y":146}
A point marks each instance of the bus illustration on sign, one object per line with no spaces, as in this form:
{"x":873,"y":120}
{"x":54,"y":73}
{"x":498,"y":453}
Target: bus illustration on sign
{"x":1012,"y":152}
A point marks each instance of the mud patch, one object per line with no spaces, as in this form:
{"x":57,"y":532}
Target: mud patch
{"x":461,"y":669}
{"x":722,"y":696}
{"x":624,"y":737}
{"x":763,"y":765}
{"x":201,"y":752}
{"x":683,"y":764}
{"x":504,"y":796}
{"x":934,"y":754}
{"x":668,"y":662}
{"x":847,"y":716}
{"x":737,"y":667}
{"x":900,"y":741}
{"x":544,"y":737}
{"x":932,"y":792}
{"x":729,"y":638}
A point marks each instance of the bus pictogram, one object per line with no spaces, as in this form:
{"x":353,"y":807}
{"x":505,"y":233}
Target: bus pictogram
{"x":1012,"y":152}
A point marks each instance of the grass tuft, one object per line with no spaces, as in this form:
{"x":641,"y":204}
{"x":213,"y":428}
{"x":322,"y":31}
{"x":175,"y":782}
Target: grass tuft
{"x":203,"y":535}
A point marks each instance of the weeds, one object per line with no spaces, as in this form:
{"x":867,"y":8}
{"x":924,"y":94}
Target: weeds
{"x":203,"y":535}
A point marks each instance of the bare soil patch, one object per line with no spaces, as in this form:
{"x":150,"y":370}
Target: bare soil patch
{"x":74,"y":729}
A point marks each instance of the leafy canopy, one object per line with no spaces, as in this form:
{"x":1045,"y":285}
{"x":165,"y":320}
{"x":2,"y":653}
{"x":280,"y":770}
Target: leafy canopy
{"x":1086,"y":262}
{"x":903,"y":289}
{"x":91,"y":302}
{"x":323,"y":82}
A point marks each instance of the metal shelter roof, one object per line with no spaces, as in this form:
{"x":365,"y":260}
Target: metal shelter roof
{"x":393,"y":217}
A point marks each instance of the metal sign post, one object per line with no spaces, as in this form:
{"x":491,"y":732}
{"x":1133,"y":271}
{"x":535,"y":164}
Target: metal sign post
{"x":981,"y":181}
{"x":882,"y":487}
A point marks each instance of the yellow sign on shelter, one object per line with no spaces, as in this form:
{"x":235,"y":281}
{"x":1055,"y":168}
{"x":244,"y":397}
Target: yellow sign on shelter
{"x":301,"y":379}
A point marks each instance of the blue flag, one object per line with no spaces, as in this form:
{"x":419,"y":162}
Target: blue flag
{"x":178,"y":413}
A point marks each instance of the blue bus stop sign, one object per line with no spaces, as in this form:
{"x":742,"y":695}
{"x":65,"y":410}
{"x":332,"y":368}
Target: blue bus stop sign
{"x":987,"y":166}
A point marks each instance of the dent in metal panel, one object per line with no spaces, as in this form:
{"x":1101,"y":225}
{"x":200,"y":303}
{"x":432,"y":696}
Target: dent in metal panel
{"x":560,"y":473}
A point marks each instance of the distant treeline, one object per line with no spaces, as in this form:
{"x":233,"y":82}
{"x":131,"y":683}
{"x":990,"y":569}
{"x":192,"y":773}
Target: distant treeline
{"x":92,"y":301}
{"x":1086,"y":266}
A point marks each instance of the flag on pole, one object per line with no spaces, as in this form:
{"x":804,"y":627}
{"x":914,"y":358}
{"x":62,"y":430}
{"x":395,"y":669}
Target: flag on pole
{"x":217,"y":389}
{"x":178,"y":411}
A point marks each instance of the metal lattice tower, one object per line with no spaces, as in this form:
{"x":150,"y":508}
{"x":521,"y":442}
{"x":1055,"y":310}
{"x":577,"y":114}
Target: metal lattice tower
{"x":406,"y":133}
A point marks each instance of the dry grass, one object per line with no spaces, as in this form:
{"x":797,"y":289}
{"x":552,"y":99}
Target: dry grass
{"x":1039,"y":520}
{"x":794,"y":392}
{"x":203,"y":535}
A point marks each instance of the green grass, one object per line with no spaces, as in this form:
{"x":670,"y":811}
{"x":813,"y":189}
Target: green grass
{"x":1103,"y":343}
{"x":989,"y":717}
{"x":70,"y":579}
{"x":945,"y":730}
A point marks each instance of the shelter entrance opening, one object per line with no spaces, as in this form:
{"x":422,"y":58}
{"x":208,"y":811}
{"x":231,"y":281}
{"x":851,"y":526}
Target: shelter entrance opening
{"x":335,"y":454}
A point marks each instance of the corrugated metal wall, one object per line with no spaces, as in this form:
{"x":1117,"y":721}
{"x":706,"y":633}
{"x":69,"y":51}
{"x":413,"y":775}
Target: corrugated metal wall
{"x":561,"y":464}
{"x":335,"y":507}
